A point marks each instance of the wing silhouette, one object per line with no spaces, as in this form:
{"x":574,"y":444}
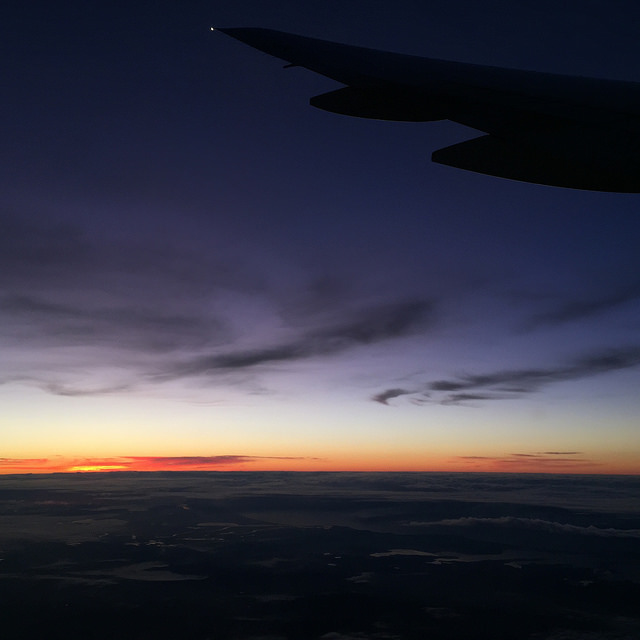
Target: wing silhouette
{"x":565,"y":131}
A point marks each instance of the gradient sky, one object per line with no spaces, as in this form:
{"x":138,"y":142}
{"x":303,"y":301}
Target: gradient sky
{"x":200,"y":271}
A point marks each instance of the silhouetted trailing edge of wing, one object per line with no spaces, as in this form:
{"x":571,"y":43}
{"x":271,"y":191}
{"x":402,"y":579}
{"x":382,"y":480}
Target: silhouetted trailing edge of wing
{"x":545,"y":128}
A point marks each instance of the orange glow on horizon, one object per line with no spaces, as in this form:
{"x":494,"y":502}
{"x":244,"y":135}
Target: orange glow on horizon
{"x":98,"y":467}
{"x":520,"y":463}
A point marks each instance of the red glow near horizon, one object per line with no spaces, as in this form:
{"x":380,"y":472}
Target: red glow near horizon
{"x":518,"y":463}
{"x":129,"y":463}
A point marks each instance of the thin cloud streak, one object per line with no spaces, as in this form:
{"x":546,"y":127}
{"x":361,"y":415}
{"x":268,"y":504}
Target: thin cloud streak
{"x":513,"y":383}
{"x":576,"y":310}
{"x":74,"y":392}
{"x":561,"y":453}
{"x":128,"y":325}
{"x":464,"y":398}
{"x":172,"y":318}
{"x":529,"y":380}
{"x":59,"y":464}
{"x":389,"y":394}
{"x":552,"y":461}
{"x":189,"y":461}
{"x":369,"y":326}
{"x":60,"y":257}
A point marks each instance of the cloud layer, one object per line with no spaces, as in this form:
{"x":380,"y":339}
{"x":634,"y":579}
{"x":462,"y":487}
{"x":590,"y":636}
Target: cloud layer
{"x":82,"y":316}
{"x":513,"y":383}
{"x":367,"y":326}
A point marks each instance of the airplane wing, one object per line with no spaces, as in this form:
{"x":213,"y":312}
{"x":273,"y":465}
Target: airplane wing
{"x":565,"y":131}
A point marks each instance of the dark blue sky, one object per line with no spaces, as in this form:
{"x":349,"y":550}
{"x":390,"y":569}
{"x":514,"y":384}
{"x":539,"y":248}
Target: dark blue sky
{"x":180,"y":229}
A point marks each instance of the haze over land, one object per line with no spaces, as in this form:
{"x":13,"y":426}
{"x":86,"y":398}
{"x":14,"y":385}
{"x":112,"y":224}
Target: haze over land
{"x":320,"y":556}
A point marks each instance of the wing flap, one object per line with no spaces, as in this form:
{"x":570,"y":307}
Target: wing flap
{"x":505,"y":159}
{"x":380,"y":105}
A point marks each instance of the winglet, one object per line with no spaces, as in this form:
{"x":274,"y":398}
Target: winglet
{"x":234,"y":32}
{"x":340,"y":62}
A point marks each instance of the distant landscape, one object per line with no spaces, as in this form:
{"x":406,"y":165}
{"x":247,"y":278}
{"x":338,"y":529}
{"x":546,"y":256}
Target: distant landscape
{"x":320,"y":555}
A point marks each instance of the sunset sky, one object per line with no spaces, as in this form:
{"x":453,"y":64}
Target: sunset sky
{"x":200,"y":271}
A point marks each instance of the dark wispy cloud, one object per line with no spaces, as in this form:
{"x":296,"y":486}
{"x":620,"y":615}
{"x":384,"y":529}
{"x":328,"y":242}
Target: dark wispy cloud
{"x":389,"y":394}
{"x":367,"y":326}
{"x":124,"y":309}
{"x":125,"y":325}
{"x":549,"y":457}
{"x":72,"y":391}
{"x":547,"y":462}
{"x":198,"y":461}
{"x":586,"y":307}
{"x":520,"y":381}
{"x":561,"y":453}
{"x":463,"y":398}
{"x":57,"y":257}
{"x":513,"y":383}
{"x":63,"y":287}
